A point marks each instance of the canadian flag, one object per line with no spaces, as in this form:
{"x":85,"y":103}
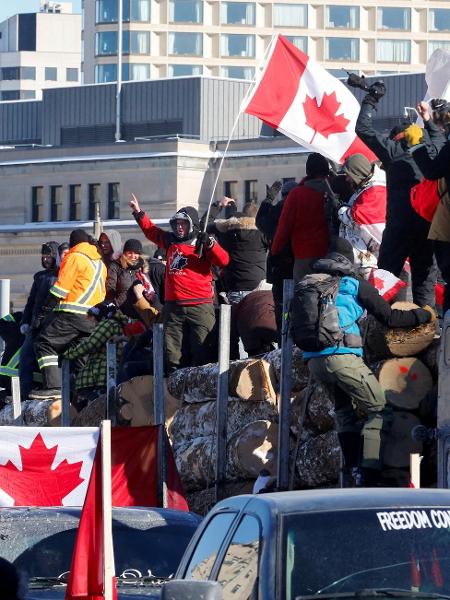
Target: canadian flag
{"x":299,"y":98}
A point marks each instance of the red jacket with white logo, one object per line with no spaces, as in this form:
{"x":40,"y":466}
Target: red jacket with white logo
{"x":188,"y":277}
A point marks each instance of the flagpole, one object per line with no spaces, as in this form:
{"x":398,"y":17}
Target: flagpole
{"x":108,"y":553}
{"x":230,"y":136}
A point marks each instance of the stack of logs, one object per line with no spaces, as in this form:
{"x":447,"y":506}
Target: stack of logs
{"x":405,"y":361}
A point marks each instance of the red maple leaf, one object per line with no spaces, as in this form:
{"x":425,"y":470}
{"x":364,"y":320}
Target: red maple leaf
{"x":378,"y":283}
{"x":37,"y":484}
{"x":323,"y":118}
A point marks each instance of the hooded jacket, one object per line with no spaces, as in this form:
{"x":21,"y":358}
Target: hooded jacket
{"x":356,"y":295}
{"x":115,"y":240}
{"x":120,"y":278}
{"x":81,"y":280}
{"x":10,"y":333}
{"x":188,"y":276}
{"x":42,"y":282}
{"x":247,"y":250}
{"x":303,"y":221}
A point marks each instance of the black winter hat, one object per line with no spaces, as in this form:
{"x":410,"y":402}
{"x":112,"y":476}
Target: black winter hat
{"x":78,"y":236}
{"x":50,"y":248}
{"x":343,"y":247}
{"x":132,"y":245}
{"x":287,"y":187}
{"x":160,"y":254}
{"x":189,"y":214}
{"x":317,"y":165}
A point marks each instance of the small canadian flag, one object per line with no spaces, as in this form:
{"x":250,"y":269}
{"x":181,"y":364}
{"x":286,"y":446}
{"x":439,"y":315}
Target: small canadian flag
{"x":299,"y":98}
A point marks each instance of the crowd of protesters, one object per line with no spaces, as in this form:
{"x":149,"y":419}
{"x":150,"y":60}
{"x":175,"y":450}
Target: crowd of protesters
{"x":346,"y":221}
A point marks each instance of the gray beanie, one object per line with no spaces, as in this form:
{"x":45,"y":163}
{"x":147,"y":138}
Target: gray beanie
{"x":287,"y":187}
{"x":357,"y":167}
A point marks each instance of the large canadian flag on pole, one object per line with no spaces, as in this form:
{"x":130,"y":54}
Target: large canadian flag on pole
{"x":299,"y":98}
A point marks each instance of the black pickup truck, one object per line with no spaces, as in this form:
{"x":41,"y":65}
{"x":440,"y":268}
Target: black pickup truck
{"x":352,"y":543}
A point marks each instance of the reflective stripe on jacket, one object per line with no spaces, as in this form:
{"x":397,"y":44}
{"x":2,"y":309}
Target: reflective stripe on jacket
{"x":81,"y":280}
{"x":11,"y":369}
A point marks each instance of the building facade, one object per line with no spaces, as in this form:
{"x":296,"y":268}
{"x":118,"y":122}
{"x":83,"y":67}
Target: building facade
{"x":39,"y":50}
{"x":166,"y":38}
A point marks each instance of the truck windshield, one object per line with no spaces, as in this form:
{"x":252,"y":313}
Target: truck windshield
{"x":337,"y":552}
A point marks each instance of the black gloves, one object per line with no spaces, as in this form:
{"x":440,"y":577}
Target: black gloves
{"x":272,"y":190}
{"x":204,"y":240}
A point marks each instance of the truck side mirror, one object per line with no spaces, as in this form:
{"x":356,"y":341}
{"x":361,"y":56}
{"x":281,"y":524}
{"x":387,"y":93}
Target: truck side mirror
{"x":180,"y":589}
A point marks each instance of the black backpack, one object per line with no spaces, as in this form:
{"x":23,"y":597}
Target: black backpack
{"x":315,"y":318}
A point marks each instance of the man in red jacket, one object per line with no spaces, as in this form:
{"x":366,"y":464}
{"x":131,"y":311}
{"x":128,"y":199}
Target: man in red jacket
{"x":189,"y":316}
{"x":303,"y":221}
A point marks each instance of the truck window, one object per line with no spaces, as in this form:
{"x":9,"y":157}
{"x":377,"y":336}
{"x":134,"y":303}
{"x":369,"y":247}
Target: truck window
{"x":239,"y":570}
{"x":205,"y":553}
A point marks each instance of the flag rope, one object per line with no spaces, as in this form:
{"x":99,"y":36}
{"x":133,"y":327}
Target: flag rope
{"x":230,"y":136}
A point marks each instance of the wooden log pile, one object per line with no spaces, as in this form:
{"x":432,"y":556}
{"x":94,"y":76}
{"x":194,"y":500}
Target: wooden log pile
{"x":252,"y":417}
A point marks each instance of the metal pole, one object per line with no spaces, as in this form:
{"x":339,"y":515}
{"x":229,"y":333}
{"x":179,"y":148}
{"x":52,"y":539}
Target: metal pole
{"x":443,"y":408}
{"x":111,"y":368}
{"x":4,"y":297}
{"x":414,"y":469}
{"x":159,"y":413}
{"x":222,"y":400}
{"x":117,"y":136}
{"x":285,"y":388}
{"x":108,"y":552}
{"x":65,"y":393}
{"x":17,"y":405}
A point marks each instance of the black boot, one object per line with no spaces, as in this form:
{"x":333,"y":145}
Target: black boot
{"x":350,"y":443}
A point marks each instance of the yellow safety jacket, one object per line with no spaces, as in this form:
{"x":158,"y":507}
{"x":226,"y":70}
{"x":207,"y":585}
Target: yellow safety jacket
{"x":81,"y":280}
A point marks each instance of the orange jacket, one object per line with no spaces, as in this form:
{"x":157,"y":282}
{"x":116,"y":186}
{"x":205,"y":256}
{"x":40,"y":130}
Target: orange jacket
{"x":81,"y":279}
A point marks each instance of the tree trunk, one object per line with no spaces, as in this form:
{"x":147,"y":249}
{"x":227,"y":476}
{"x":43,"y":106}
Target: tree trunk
{"x":252,"y":379}
{"x":199,"y":419}
{"x":406,"y":381}
{"x":399,"y":444}
{"x":318,"y":461}
{"x":300,"y":370}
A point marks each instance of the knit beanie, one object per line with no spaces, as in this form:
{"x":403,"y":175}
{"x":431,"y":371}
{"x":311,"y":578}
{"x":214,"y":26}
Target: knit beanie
{"x":103,"y":310}
{"x":77,"y":237}
{"x":287,"y":187}
{"x":343,"y":247}
{"x":132,"y":245}
{"x":358,"y":168}
{"x":160,"y":254}
{"x":317,"y":165}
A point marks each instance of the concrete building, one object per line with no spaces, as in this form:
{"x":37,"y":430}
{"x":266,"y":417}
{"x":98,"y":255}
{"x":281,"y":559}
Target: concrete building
{"x":174,"y":132}
{"x":166,"y":38}
{"x":39,"y":50}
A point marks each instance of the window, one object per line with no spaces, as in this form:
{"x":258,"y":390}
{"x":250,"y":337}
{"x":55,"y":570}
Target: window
{"x":11,"y":95}
{"x":239,"y":569}
{"x":290,"y":15}
{"x":37,"y":204}
{"x":184,"y":70}
{"x":237,"y":13}
{"x":56,"y":203}
{"x":135,"y":72}
{"x":136,"y":10}
{"x":10,"y":73}
{"x":71,"y":74}
{"x":207,"y":547}
{"x":106,"y":11}
{"x":299,"y":42}
{"x":93,"y":200}
{"x":236,"y":44}
{"x":186,"y":44}
{"x":394,"y":51}
{"x":238,"y":72}
{"x":250,"y":193}
{"x":185,"y":11}
{"x":342,"y":17}
{"x":136,"y":42}
{"x":342,"y":49}
{"x":27,"y":94}
{"x":443,"y":44}
{"x":113,"y":201}
{"x":439,"y":19}
{"x":51,"y":74}
{"x":230,"y":189}
{"x":106,"y":43}
{"x":105,"y":73}
{"x":75,"y":202}
{"x":394,"y":18}
{"x":28,"y":73}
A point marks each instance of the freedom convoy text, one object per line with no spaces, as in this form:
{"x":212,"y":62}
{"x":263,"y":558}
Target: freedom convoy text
{"x":414,"y":519}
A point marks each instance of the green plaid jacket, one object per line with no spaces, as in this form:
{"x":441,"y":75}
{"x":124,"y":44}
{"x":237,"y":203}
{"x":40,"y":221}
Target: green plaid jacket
{"x":94,"y":349}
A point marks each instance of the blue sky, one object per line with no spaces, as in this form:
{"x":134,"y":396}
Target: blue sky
{"x":11,"y":7}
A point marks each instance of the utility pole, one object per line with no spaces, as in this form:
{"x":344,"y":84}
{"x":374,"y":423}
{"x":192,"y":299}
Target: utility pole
{"x":117,"y":136}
